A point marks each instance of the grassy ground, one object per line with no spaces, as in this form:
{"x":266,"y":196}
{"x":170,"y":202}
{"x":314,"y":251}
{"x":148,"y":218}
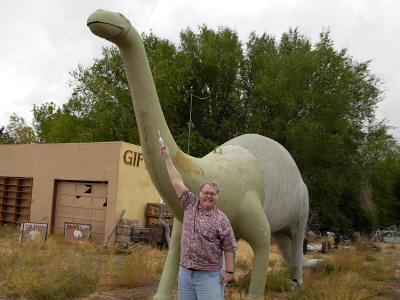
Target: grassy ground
{"x":57,"y":270}
{"x":361,"y":271}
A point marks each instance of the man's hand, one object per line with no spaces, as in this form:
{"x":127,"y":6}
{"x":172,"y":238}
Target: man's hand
{"x":229,"y":258}
{"x":226,"y":278}
{"x":164,"y":152}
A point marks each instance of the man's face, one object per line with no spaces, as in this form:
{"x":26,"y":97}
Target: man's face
{"x":208,"y":197}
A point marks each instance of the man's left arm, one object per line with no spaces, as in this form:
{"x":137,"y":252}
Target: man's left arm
{"x":228,"y":243}
{"x":229,"y":258}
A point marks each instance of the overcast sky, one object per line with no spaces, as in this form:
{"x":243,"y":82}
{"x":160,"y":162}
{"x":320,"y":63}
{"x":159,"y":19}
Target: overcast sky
{"x":41,"y":41}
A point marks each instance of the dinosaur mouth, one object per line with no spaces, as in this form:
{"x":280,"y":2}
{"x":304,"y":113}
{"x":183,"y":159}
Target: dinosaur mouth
{"x":105,"y":30}
{"x":105,"y":23}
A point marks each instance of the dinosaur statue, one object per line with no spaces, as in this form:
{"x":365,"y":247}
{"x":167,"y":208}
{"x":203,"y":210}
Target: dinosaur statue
{"x":261,"y":187}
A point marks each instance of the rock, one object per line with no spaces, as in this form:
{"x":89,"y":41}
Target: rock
{"x":314,"y":247}
{"x":310,"y":263}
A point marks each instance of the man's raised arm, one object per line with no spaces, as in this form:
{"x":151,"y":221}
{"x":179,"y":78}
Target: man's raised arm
{"x":173,"y":173}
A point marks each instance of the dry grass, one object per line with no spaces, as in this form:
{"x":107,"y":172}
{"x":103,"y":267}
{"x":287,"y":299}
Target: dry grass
{"x":355,"y":273}
{"x":359,"y":272}
{"x":278,"y":272}
{"x":44,"y":271}
{"x":60,"y":270}
{"x":140,"y":267}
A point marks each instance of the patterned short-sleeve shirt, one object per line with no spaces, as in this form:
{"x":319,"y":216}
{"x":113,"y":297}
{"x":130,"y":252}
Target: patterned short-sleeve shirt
{"x":204,"y":236}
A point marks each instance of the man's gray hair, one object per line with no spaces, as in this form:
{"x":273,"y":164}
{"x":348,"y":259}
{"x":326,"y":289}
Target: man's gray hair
{"x":215,"y":185}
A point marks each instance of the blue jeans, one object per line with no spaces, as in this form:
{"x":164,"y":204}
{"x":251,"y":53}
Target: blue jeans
{"x":200,"y":285}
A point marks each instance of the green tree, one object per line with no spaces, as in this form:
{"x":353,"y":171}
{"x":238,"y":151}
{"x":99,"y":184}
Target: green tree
{"x":315,"y":100}
{"x":101,"y":100}
{"x":214,"y":60}
{"x":99,"y":109}
{"x":5,"y":137}
{"x":382,"y":172}
{"x":55,"y":125}
{"x":17,"y":132}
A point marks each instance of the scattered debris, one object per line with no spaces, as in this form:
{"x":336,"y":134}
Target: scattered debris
{"x":388,"y":235}
{"x":337,"y":239}
{"x":126,"y":248}
{"x":114,"y":227}
{"x":160,"y":222}
{"x":330,"y":234}
{"x":311,"y":236}
{"x":392,"y":239}
{"x":356,"y":237}
{"x":326,"y":246}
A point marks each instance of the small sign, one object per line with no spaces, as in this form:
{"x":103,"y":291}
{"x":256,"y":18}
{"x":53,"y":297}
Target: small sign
{"x":33,"y":232}
{"x":76,"y":232}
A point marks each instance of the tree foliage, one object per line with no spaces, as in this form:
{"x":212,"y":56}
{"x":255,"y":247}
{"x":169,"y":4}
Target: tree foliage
{"x":17,"y":132}
{"x":315,"y":100}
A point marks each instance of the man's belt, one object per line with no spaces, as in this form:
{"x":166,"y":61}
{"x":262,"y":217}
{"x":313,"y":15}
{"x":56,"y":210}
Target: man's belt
{"x":191,"y":269}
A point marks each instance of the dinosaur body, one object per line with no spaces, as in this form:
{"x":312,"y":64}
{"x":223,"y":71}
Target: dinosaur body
{"x":261,"y":187}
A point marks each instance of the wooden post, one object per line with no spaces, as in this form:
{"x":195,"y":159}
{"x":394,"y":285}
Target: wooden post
{"x":166,"y":226}
{"x":114,"y":226}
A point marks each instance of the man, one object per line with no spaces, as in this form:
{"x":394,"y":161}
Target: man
{"x":206,"y":236}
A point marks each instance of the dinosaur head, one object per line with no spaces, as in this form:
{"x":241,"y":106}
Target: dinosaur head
{"x":108,"y":25}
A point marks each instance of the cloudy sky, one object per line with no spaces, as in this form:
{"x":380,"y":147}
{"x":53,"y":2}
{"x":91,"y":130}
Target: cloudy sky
{"x":41,"y":41}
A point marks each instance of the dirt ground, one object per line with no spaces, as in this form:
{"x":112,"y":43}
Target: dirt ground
{"x":146,"y":292}
{"x":140,"y":293}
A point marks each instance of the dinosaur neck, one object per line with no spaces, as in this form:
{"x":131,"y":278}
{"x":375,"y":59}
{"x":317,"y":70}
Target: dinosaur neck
{"x":148,"y":113}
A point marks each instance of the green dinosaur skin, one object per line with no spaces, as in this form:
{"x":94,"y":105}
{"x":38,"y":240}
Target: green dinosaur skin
{"x":261,"y":188}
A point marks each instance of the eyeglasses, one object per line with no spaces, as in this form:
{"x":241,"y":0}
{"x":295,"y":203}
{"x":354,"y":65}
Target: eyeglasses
{"x":212,"y":194}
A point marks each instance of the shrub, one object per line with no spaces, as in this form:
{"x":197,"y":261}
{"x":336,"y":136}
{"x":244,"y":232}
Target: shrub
{"x":136,"y":269}
{"x":49,"y":271}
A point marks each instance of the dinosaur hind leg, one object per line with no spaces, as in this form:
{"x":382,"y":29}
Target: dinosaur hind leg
{"x":297,"y":249}
{"x":290,"y":245}
{"x":290,"y":239}
{"x":297,"y":232}
{"x":254,"y":228}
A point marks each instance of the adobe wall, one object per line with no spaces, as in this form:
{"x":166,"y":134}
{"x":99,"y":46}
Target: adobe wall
{"x":46,"y":163}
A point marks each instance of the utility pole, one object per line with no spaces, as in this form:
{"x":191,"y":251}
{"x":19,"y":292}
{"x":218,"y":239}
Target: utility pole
{"x":190,"y":117}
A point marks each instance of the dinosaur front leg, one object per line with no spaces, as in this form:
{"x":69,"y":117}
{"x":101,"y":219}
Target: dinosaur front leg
{"x":171,"y":267}
{"x":254,"y":228}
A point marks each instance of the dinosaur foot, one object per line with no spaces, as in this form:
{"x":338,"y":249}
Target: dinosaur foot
{"x":163,"y":297}
{"x":291,"y":285}
{"x":255,"y":297}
